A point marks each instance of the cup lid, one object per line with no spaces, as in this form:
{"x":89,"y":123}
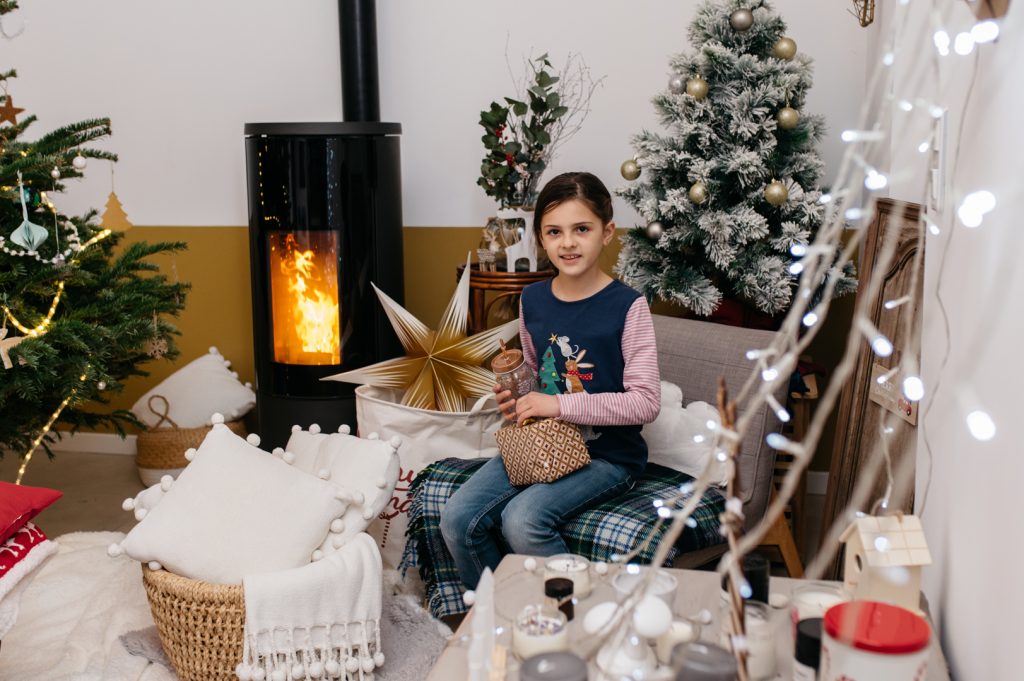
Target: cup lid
{"x":877,"y":627}
{"x":558,"y":587}
{"x":507,"y":361}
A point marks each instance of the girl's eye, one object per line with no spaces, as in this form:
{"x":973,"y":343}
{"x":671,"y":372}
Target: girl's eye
{"x":552,"y":232}
{"x":583,"y":228}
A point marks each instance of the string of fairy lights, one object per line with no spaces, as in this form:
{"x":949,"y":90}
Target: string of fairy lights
{"x":850,"y":205}
{"x":35,"y":332}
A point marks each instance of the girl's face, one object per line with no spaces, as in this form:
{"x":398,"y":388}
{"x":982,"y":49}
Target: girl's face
{"x":573,"y":237}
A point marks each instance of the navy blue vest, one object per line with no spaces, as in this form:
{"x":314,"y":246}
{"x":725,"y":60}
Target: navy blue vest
{"x":579,"y":349}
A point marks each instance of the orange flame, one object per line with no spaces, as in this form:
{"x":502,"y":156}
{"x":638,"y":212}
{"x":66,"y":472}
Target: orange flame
{"x":304,"y":290}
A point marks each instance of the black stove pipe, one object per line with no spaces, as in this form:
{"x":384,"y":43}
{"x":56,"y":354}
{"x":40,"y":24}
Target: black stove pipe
{"x":360,"y":86}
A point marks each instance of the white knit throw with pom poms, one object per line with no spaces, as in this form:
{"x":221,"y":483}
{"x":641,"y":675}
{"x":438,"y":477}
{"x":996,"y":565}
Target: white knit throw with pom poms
{"x":319,"y":621}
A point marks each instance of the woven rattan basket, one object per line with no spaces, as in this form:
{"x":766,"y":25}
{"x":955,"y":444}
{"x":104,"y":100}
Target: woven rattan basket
{"x":201,"y":625}
{"x":163,"y":448}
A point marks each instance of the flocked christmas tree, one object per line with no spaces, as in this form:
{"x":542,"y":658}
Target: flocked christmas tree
{"x":78,"y":314}
{"x":731,"y":194}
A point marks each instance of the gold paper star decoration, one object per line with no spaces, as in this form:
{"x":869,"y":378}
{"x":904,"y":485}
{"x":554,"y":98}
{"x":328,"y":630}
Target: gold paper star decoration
{"x":6,"y":345}
{"x":9,"y":112}
{"x":441,"y":369}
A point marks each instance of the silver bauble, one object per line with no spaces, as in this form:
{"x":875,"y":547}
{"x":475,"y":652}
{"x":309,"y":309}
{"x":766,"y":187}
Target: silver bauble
{"x":676,"y":84}
{"x":741,"y":19}
{"x":654,"y":230}
{"x":697,"y":87}
{"x":55,"y":173}
{"x":776,"y":193}
{"x":630,"y":170}
{"x":787,"y":118}
{"x":78,"y":162}
{"x":784,"y":48}
{"x":698,"y":193}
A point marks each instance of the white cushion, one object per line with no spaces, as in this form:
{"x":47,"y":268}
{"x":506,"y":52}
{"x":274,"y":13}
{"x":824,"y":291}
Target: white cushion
{"x":235,"y":511}
{"x":363,"y":468}
{"x":680,"y":437}
{"x":200,"y":388}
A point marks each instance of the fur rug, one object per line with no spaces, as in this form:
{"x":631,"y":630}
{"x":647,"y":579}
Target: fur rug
{"x":86,"y":618}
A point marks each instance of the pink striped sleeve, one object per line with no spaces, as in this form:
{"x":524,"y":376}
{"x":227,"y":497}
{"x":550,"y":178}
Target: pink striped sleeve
{"x":641,"y":400}
{"x":529,"y":353}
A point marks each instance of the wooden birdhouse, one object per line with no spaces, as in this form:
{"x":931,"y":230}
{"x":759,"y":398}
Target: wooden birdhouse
{"x":884,"y":555}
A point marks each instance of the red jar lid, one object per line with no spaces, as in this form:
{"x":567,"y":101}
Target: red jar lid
{"x":877,"y":627}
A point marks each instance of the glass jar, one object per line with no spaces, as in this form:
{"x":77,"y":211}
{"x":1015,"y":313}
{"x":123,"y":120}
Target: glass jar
{"x":537,"y":630}
{"x":513,"y":373}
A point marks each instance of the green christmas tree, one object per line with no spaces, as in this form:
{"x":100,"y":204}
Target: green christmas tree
{"x":731,"y":194}
{"x":77,"y":312}
{"x":548,"y":375}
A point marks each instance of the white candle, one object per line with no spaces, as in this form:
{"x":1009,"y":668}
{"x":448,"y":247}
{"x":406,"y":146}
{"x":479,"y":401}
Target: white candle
{"x":681,"y":631}
{"x":812,"y":600}
{"x":662,"y":585}
{"x":538,"y":631}
{"x":569,"y":566}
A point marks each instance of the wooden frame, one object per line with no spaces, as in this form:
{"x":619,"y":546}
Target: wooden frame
{"x":859,"y":421}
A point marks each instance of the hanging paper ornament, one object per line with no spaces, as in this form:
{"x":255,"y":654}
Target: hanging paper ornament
{"x":776,"y":193}
{"x":784,"y":48}
{"x":9,"y":112}
{"x":630,"y":169}
{"x":676,"y":84}
{"x":6,"y":345}
{"x":654,"y":230}
{"x":78,"y":162}
{"x":741,"y":20}
{"x":697,"y":87}
{"x":441,"y":368}
{"x":114,"y":218}
{"x":698,"y":193}
{"x":787,"y":118}
{"x":28,"y":235}
{"x":156,"y":346}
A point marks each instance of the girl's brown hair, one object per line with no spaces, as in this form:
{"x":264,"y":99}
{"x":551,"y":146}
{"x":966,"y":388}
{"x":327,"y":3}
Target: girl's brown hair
{"x":583,"y":187}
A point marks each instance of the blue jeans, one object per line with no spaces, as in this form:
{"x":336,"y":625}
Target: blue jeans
{"x":528,"y":517}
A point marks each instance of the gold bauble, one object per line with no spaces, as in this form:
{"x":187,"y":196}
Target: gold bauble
{"x":697,"y":87}
{"x":787,"y":118}
{"x":741,"y":20}
{"x":776,"y":193}
{"x":630,"y":170}
{"x":784,"y":48}
{"x":698,"y":193}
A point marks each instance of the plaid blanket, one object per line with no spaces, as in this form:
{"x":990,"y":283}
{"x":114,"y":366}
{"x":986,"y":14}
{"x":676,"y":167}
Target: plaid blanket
{"x":614,"y":527}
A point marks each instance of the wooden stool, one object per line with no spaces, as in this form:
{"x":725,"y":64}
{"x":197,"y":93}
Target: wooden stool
{"x":790,"y":527}
{"x":508,"y":285}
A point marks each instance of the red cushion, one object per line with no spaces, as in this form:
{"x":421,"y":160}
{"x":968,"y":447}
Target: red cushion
{"x":20,"y":504}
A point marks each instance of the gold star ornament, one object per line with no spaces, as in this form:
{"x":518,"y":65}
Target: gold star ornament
{"x":442,"y":369}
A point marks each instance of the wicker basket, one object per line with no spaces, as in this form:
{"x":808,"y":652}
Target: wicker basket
{"x":201,"y":625}
{"x":162,"y":450}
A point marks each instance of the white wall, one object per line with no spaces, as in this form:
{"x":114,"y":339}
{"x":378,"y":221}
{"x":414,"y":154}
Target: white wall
{"x":970,"y":489}
{"x":180,"y":79}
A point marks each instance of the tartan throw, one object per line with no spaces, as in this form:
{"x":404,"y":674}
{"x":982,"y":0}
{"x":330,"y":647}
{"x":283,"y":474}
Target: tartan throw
{"x":542,"y":451}
{"x":615,"y":526}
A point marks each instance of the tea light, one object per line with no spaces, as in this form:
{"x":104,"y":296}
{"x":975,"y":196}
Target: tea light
{"x":537,"y":631}
{"x":569,"y":566}
{"x":663,"y":585}
{"x":681,"y":631}
{"x":812,"y":600}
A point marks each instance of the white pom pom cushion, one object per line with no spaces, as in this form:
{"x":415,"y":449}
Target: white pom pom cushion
{"x":680,"y":437}
{"x":200,"y":388}
{"x":366,"y":469}
{"x":235,"y":511}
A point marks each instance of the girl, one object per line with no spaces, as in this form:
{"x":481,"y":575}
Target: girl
{"x":580,"y":314}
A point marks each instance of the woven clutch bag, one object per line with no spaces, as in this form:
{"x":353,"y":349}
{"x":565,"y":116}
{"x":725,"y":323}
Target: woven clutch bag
{"x":542,"y":451}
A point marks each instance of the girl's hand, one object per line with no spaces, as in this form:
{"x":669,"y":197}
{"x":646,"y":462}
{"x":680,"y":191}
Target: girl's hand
{"x":505,"y":403}
{"x":536,"y":405}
